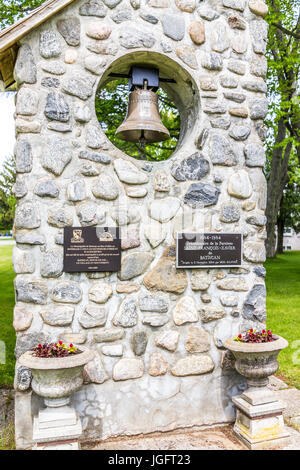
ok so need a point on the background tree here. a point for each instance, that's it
(13, 10)
(7, 199)
(284, 117)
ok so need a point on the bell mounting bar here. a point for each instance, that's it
(138, 76)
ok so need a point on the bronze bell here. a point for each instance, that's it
(142, 122)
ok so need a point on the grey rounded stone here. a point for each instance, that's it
(228, 81)
(220, 123)
(255, 155)
(259, 109)
(239, 132)
(60, 216)
(25, 68)
(55, 67)
(128, 172)
(236, 97)
(90, 214)
(93, 317)
(70, 30)
(201, 194)
(76, 190)
(27, 102)
(221, 152)
(94, 137)
(208, 14)
(236, 22)
(79, 86)
(139, 342)
(95, 157)
(211, 313)
(121, 16)
(259, 66)
(255, 304)
(87, 169)
(23, 261)
(108, 335)
(237, 66)
(50, 82)
(259, 33)
(259, 271)
(212, 61)
(194, 167)
(50, 45)
(135, 4)
(257, 87)
(259, 220)
(148, 17)
(56, 107)
(155, 319)
(229, 213)
(34, 292)
(132, 38)
(61, 315)
(23, 154)
(111, 3)
(235, 4)
(27, 215)
(46, 188)
(173, 26)
(261, 130)
(19, 189)
(23, 378)
(105, 187)
(57, 155)
(93, 8)
(127, 315)
(219, 39)
(153, 303)
(135, 264)
(52, 263)
(30, 238)
(215, 108)
(66, 292)
(82, 113)
(27, 341)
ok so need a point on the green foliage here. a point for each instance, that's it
(13, 10)
(7, 199)
(111, 107)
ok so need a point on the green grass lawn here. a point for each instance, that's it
(283, 310)
(7, 333)
(283, 307)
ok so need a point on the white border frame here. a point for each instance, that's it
(210, 266)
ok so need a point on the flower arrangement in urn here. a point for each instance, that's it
(55, 350)
(259, 421)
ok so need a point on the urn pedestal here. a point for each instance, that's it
(259, 421)
(56, 427)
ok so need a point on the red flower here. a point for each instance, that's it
(269, 332)
(71, 345)
(251, 331)
(263, 332)
(60, 342)
(40, 346)
(240, 336)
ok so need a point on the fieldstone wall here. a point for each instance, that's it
(157, 332)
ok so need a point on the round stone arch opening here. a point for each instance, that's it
(184, 92)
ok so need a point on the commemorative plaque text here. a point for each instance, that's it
(88, 249)
(208, 250)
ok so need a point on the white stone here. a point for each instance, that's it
(239, 185)
(113, 350)
(129, 173)
(168, 339)
(185, 311)
(193, 365)
(128, 368)
(100, 292)
(164, 210)
(155, 233)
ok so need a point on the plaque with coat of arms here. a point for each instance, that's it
(90, 249)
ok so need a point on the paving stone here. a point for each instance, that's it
(255, 155)
(69, 28)
(87, 169)
(158, 364)
(127, 315)
(193, 365)
(186, 5)
(66, 292)
(19, 189)
(93, 316)
(100, 292)
(185, 311)
(168, 339)
(61, 315)
(201, 195)
(50, 45)
(28, 127)
(128, 368)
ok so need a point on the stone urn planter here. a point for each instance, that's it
(55, 379)
(259, 421)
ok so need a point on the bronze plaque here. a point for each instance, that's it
(88, 249)
(208, 250)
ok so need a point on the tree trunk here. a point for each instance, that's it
(280, 229)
